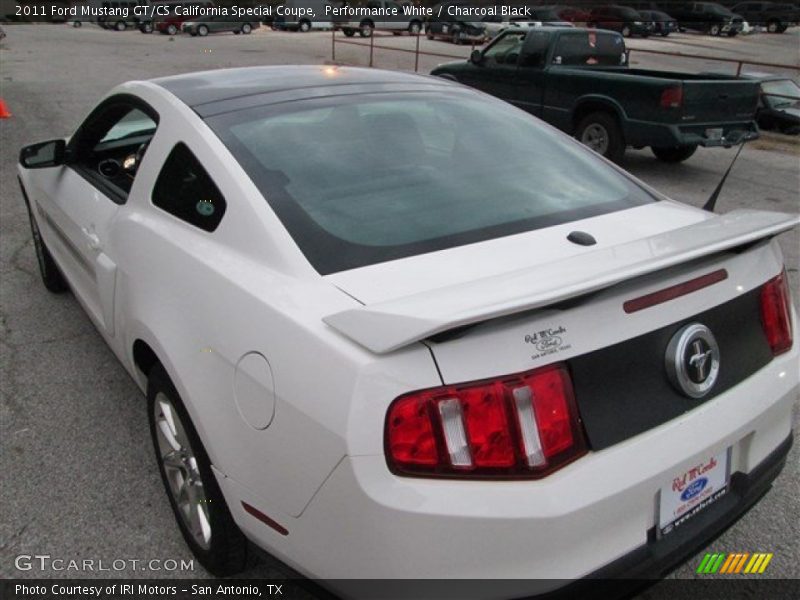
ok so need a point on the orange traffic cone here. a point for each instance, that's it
(4, 112)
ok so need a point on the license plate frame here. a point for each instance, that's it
(692, 490)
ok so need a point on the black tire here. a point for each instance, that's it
(348, 32)
(733, 33)
(52, 278)
(415, 28)
(227, 551)
(202, 30)
(674, 154)
(247, 29)
(171, 29)
(714, 29)
(365, 30)
(783, 28)
(146, 28)
(77, 24)
(305, 26)
(120, 26)
(773, 26)
(455, 37)
(616, 142)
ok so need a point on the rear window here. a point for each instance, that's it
(368, 178)
(590, 48)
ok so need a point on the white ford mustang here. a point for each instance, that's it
(392, 315)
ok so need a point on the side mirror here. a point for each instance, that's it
(476, 57)
(43, 154)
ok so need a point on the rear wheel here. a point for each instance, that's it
(202, 31)
(714, 29)
(120, 26)
(414, 28)
(305, 26)
(195, 497)
(171, 29)
(365, 30)
(673, 154)
(146, 28)
(601, 132)
(247, 28)
(773, 26)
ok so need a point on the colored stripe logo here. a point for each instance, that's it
(734, 563)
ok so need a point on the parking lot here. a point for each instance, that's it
(78, 475)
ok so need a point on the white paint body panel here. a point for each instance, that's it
(202, 301)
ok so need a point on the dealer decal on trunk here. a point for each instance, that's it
(548, 341)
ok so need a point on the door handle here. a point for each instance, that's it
(92, 240)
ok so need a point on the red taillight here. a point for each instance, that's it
(672, 97)
(523, 425)
(776, 314)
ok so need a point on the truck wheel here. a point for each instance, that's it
(365, 30)
(194, 494)
(674, 154)
(601, 132)
(305, 26)
(348, 32)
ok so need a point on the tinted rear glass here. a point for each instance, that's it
(363, 179)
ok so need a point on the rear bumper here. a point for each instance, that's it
(595, 518)
(645, 133)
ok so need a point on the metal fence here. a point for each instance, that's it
(371, 44)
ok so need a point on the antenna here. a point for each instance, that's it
(712, 200)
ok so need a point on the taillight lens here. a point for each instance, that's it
(519, 426)
(776, 314)
(672, 97)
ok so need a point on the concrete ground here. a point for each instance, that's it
(77, 476)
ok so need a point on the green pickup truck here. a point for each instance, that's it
(579, 81)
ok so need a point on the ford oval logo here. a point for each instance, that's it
(694, 488)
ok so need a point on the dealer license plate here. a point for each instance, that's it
(714, 133)
(692, 490)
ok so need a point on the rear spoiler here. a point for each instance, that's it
(390, 325)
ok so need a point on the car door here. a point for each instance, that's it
(76, 203)
(531, 75)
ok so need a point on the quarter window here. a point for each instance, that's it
(185, 190)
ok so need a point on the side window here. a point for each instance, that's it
(505, 51)
(109, 146)
(535, 48)
(185, 190)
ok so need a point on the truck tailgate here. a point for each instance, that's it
(718, 101)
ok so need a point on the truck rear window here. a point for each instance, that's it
(590, 48)
(367, 178)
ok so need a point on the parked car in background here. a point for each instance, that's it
(218, 24)
(118, 23)
(454, 29)
(779, 104)
(776, 18)
(623, 19)
(171, 24)
(578, 81)
(365, 25)
(295, 21)
(571, 14)
(663, 24)
(709, 17)
(549, 16)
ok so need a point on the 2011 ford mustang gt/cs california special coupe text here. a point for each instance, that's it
(391, 315)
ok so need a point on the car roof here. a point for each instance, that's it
(209, 87)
